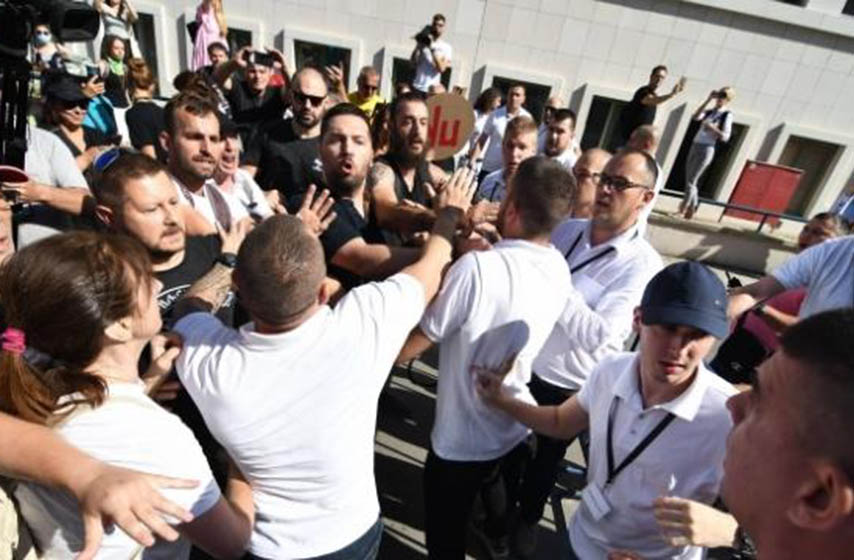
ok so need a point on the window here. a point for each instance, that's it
(816, 159)
(848, 9)
(143, 30)
(402, 70)
(318, 55)
(238, 38)
(536, 95)
(601, 122)
(710, 182)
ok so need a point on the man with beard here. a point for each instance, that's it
(478, 320)
(354, 247)
(520, 143)
(284, 154)
(193, 144)
(559, 138)
(403, 182)
(253, 101)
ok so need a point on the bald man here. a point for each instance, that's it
(367, 95)
(645, 139)
(284, 155)
(586, 171)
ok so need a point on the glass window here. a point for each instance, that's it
(536, 95)
(710, 182)
(817, 160)
(319, 55)
(239, 38)
(848, 9)
(143, 31)
(601, 122)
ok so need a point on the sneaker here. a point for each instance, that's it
(525, 540)
(496, 548)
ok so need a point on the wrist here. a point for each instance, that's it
(77, 476)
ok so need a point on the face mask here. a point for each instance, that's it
(42, 38)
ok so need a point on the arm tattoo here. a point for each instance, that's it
(207, 294)
(380, 172)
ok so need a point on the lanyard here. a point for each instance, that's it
(594, 258)
(650, 437)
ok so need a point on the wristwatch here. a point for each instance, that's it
(759, 309)
(227, 259)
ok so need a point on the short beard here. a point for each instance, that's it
(400, 152)
(345, 186)
(310, 124)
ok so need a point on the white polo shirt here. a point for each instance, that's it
(426, 73)
(132, 431)
(609, 280)
(297, 411)
(567, 158)
(826, 270)
(685, 460)
(494, 128)
(492, 304)
(493, 187)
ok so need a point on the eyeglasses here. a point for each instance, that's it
(583, 174)
(82, 103)
(302, 98)
(619, 184)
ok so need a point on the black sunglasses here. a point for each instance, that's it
(82, 103)
(301, 98)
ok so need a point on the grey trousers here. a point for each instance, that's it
(699, 158)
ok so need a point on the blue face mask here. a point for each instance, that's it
(42, 38)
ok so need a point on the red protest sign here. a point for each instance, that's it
(450, 126)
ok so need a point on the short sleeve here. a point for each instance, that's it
(797, 272)
(586, 396)
(456, 300)
(203, 335)
(338, 234)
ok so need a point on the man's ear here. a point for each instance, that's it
(165, 142)
(119, 331)
(636, 320)
(824, 499)
(106, 216)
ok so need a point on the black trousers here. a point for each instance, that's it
(541, 472)
(450, 489)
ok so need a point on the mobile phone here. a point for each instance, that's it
(259, 58)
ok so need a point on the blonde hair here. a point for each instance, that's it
(219, 14)
(729, 91)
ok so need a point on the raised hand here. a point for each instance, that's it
(233, 238)
(458, 191)
(316, 213)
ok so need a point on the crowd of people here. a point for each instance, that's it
(198, 321)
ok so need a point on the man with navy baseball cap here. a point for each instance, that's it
(657, 419)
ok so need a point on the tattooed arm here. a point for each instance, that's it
(393, 214)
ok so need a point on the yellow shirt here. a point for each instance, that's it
(368, 105)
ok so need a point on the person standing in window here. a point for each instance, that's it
(715, 128)
(47, 53)
(210, 19)
(431, 55)
(113, 70)
(144, 118)
(118, 17)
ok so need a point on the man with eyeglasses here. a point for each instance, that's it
(285, 154)
(586, 170)
(367, 95)
(610, 263)
(253, 101)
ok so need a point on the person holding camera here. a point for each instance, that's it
(715, 128)
(431, 55)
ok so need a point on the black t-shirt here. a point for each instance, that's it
(285, 162)
(200, 255)
(91, 137)
(249, 110)
(348, 225)
(636, 113)
(145, 123)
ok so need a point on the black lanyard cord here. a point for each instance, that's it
(594, 258)
(612, 473)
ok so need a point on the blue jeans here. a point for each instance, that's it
(365, 547)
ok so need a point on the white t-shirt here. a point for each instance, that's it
(492, 304)
(567, 158)
(721, 119)
(245, 197)
(493, 187)
(607, 290)
(297, 411)
(494, 129)
(132, 431)
(426, 73)
(826, 270)
(685, 460)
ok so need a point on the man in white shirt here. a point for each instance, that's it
(560, 138)
(552, 104)
(293, 395)
(800, 414)
(657, 419)
(826, 271)
(194, 146)
(431, 56)
(494, 305)
(610, 263)
(520, 143)
(645, 139)
(586, 171)
(493, 131)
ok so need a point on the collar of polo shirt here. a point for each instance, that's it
(685, 406)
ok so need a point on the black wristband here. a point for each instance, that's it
(227, 259)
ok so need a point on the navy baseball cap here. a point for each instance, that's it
(686, 293)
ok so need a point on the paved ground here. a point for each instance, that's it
(403, 431)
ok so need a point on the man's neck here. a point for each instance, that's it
(358, 198)
(599, 234)
(266, 328)
(303, 132)
(164, 263)
(192, 183)
(654, 393)
(513, 112)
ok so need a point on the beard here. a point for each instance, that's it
(399, 147)
(343, 185)
(306, 120)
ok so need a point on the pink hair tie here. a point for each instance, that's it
(14, 341)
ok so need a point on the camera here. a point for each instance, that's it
(259, 58)
(424, 37)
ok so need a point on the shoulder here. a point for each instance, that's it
(381, 173)
(568, 230)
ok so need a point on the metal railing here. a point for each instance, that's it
(742, 208)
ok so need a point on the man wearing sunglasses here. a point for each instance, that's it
(367, 95)
(610, 263)
(284, 155)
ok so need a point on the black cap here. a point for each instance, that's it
(686, 293)
(227, 127)
(64, 87)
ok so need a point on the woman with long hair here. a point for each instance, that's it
(79, 309)
(145, 118)
(113, 68)
(210, 19)
(118, 17)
